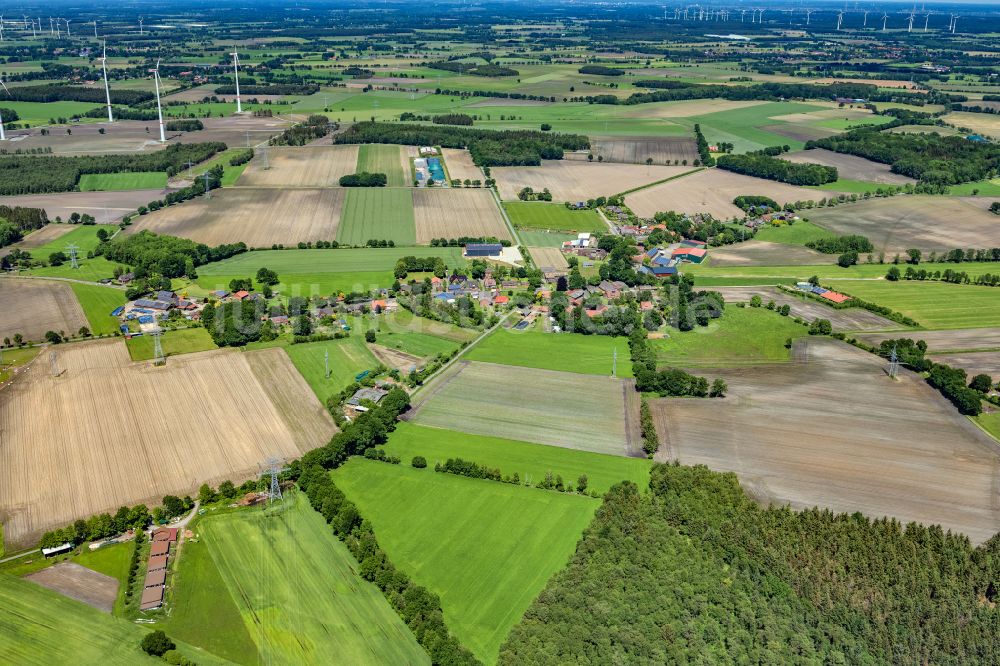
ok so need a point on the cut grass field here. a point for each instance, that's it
(98, 302)
(139, 180)
(486, 571)
(530, 461)
(83, 236)
(990, 423)
(932, 304)
(377, 213)
(379, 158)
(799, 233)
(182, 341)
(568, 352)
(11, 361)
(348, 357)
(533, 238)
(555, 217)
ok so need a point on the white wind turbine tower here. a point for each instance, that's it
(236, 74)
(909, 27)
(865, 25)
(95, 28)
(885, 18)
(104, 68)
(3, 134)
(67, 28)
(140, 26)
(159, 109)
(840, 19)
(954, 22)
(809, 13)
(1, 27)
(927, 19)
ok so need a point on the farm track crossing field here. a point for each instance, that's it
(105, 207)
(555, 217)
(928, 223)
(260, 217)
(377, 213)
(567, 352)
(932, 304)
(460, 165)
(847, 319)
(325, 608)
(636, 150)
(81, 443)
(556, 408)
(849, 166)
(570, 180)
(454, 212)
(834, 431)
(300, 166)
(487, 572)
(379, 158)
(969, 339)
(144, 180)
(32, 307)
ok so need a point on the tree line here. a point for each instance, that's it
(270, 89)
(315, 127)
(16, 221)
(60, 92)
(765, 166)
(169, 256)
(363, 179)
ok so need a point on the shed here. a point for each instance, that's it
(373, 394)
(483, 249)
(159, 548)
(152, 598)
(157, 563)
(165, 534)
(156, 578)
(56, 550)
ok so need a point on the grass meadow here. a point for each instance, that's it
(182, 341)
(377, 213)
(139, 180)
(379, 158)
(348, 357)
(10, 359)
(111, 561)
(568, 352)
(555, 217)
(742, 336)
(486, 571)
(98, 302)
(799, 233)
(933, 304)
(533, 238)
(828, 273)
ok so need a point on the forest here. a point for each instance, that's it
(150, 253)
(487, 147)
(765, 166)
(695, 572)
(16, 221)
(60, 92)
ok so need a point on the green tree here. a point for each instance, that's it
(419, 462)
(370, 335)
(581, 484)
(893, 274)
(719, 388)
(156, 643)
(982, 383)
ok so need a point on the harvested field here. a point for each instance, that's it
(106, 207)
(765, 253)
(40, 237)
(849, 166)
(973, 363)
(259, 217)
(460, 164)
(836, 432)
(579, 181)
(799, 132)
(689, 108)
(636, 150)
(234, 131)
(881, 83)
(548, 258)
(849, 319)
(712, 191)
(32, 307)
(451, 213)
(80, 583)
(190, 95)
(542, 406)
(394, 358)
(987, 124)
(301, 166)
(108, 432)
(964, 339)
(928, 223)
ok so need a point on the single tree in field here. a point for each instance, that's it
(893, 274)
(581, 484)
(157, 643)
(719, 388)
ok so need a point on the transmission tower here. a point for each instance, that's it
(208, 192)
(266, 163)
(274, 467)
(74, 261)
(893, 363)
(326, 360)
(158, 357)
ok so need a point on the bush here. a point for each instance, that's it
(156, 643)
(419, 462)
(364, 179)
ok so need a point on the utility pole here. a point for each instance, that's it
(326, 360)
(158, 357)
(614, 362)
(893, 363)
(74, 262)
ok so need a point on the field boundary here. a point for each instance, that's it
(660, 182)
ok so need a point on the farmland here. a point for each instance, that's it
(348, 357)
(554, 217)
(742, 336)
(838, 433)
(300, 166)
(102, 182)
(933, 304)
(105, 207)
(183, 341)
(97, 420)
(486, 572)
(377, 158)
(98, 303)
(986, 124)
(556, 408)
(260, 217)
(548, 258)
(971, 339)
(567, 352)
(636, 150)
(972, 362)
(808, 309)
(460, 165)
(377, 214)
(32, 307)
(453, 213)
(569, 180)
(849, 166)
(765, 253)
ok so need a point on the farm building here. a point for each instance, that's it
(165, 534)
(159, 548)
(152, 598)
(56, 550)
(373, 394)
(157, 563)
(693, 254)
(156, 578)
(483, 250)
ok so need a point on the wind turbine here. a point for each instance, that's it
(865, 25)
(809, 13)
(236, 74)
(840, 18)
(67, 28)
(3, 135)
(954, 22)
(95, 29)
(909, 27)
(107, 90)
(885, 18)
(140, 26)
(159, 109)
(927, 19)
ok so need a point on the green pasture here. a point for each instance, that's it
(379, 158)
(413, 342)
(744, 127)
(799, 233)
(703, 273)
(990, 422)
(850, 186)
(486, 548)
(554, 217)
(83, 236)
(348, 357)
(530, 461)
(533, 238)
(137, 180)
(181, 341)
(40, 113)
(111, 561)
(983, 188)
(98, 302)
(377, 213)
(568, 352)
(935, 305)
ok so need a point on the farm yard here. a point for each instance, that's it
(260, 217)
(573, 181)
(300, 166)
(636, 150)
(460, 165)
(377, 214)
(32, 307)
(486, 572)
(849, 166)
(836, 432)
(453, 213)
(95, 427)
(556, 408)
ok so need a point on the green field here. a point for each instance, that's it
(826, 272)
(983, 188)
(932, 304)
(377, 213)
(532, 238)
(83, 236)
(539, 215)
(486, 548)
(98, 302)
(379, 158)
(569, 352)
(297, 588)
(412, 342)
(182, 341)
(10, 359)
(742, 336)
(799, 233)
(38, 626)
(743, 127)
(990, 423)
(40, 113)
(850, 186)
(106, 182)
(111, 561)
(530, 461)
(348, 357)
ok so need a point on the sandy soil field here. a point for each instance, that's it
(78, 582)
(32, 307)
(301, 166)
(578, 181)
(454, 212)
(849, 319)
(836, 432)
(966, 339)
(765, 253)
(688, 108)
(928, 223)
(460, 165)
(987, 124)
(712, 191)
(636, 150)
(259, 217)
(973, 363)
(106, 207)
(107, 432)
(849, 166)
(548, 257)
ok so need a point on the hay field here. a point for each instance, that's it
(849, 166)
(557, 408)
(834, 431)
(712, 191)
(460, 164)
(453, 212)
(848, 319)
(636, 150)
(579, 181)
(301, 166)
(548, 257)
(106, 207)
(32, 307)
(986, 124)
(928, 223)
(108, 432)
(260, 217)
